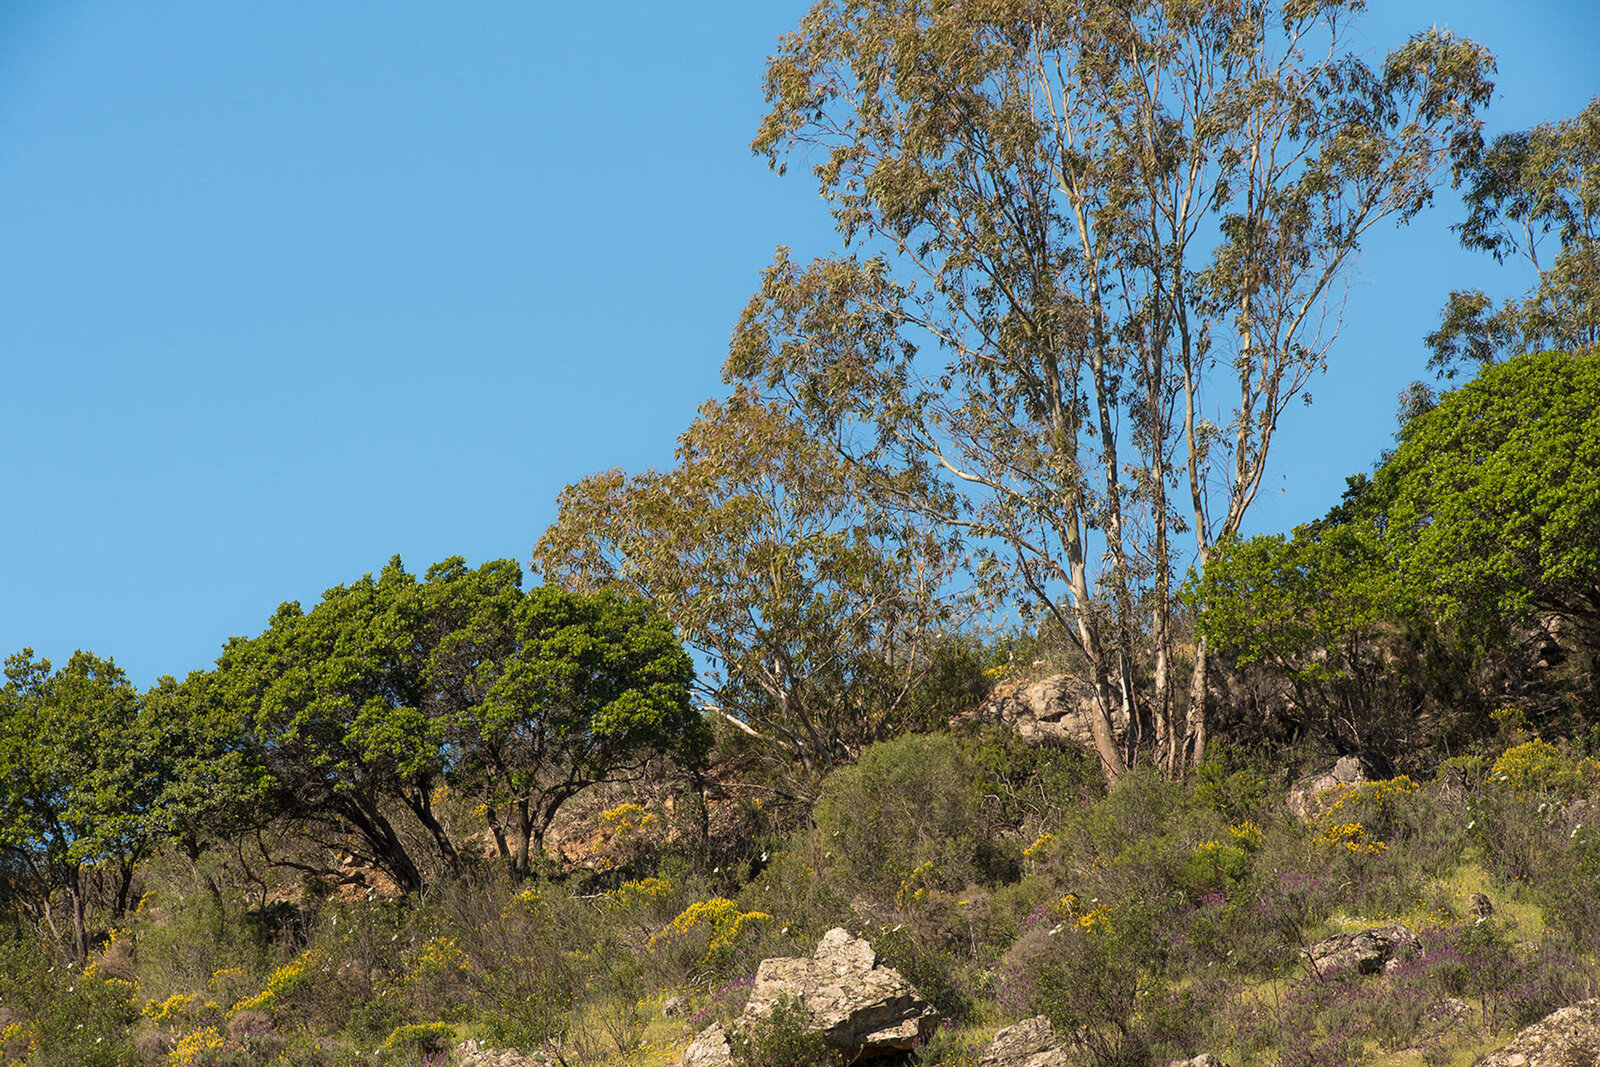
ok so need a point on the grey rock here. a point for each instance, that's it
(672, 1007)
(708, 1049)
(857, 1005)
(1566, 1038)
(1205, 1059)
(1304, 798)
(1057, 709)
(1367, 951)
(1030, 1043)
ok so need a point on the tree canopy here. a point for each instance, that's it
(1095, 245)
(816, 605)
(1529, 190)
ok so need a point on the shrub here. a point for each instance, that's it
(908, 803)
(782, 1039)
(408, 1043)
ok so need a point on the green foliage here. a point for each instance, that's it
(389, 689)
(405, 1043)
(815, 604)
(1492, 497)
(80, 773)
(908, 811)
(1528, 186)
(782, 1039)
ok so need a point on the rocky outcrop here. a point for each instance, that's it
(1303, 797)
(1054, 710)
(1567, 1038)
(475, 1054)
(1030, 1043)
(856, 1004)
(1367, 951)
(859, 1007)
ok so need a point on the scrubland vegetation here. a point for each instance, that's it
(734, 709)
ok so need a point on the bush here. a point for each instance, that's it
(909, 803)
(783, 1039)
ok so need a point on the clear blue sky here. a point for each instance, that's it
(288, 288)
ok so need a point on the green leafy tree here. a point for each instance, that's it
(359, 711)
(1314, 609)
(1492, 498)
(1530, 190)
(1096, 244)
(816, 607)
(78, 780)
(596, 687)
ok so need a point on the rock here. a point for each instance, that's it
(472, 1053)
(1567, 1038)
(1205, 1059)
(1480, 905)
(1030, 1043)
(1053, 710)
(1303, 799)
(672, 1007)
(858, 1006)
(1368, 951)
(708, 1049)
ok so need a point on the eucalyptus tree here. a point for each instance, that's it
(817, 610)
(1533, 195)
(1097, 251)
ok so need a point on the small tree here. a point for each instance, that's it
(78, 780)
(595, 687)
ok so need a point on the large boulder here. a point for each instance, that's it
(1054, 710)
(1366, 951)
(859, 1006)
(1030, 1043)
(1567, 1038)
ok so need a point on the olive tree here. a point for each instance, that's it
(1097, 247)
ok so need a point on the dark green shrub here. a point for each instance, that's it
(907, 817)
(783, 1039)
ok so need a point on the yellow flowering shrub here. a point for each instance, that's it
(1039, 846)
(718, 920)
(16, 1042)
(440, 955)
(196, 1048)
(287, 980)
(914, 890)
(645, 892)
(1245, 835)
(1539, 767)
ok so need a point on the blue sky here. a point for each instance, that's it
(288, 288)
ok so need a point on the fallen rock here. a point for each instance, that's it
(708, 1049)
(1030, 1043)
(858, 1006)
(1368, 951)
(1205, 1059)
(1052, 710)
(1566, 1038)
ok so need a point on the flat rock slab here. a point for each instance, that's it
(1030, 1043)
